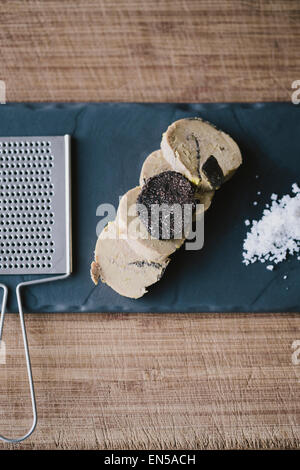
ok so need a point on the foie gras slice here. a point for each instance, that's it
(117, 265)
(201, 152)
(155, 163)
(134, 231)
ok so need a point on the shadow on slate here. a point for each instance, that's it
(109, 145)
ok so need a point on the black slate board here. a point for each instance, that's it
(110, 143)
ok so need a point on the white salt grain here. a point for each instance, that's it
(255, 203)
(277, 233)
(270, 267)
(247, 222)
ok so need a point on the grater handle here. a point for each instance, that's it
(25, 342)
(28, 362)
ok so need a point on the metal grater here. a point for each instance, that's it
(35, 220)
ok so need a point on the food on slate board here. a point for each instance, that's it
(195, 159)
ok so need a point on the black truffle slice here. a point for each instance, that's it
(162, 204)
(213, 172)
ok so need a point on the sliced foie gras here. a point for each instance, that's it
(155, 163)
(201, 152)
(117, 265)
(136, 234)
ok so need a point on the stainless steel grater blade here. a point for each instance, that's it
(35, 220)
(34, 205)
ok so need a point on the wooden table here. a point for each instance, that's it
(153, 381)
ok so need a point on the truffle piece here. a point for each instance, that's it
(165, 204)
(213, 172)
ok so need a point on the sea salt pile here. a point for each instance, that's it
(277, 233)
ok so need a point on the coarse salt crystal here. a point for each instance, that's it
(277, 233)
(270, 267)
(247, 222)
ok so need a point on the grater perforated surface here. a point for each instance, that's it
(34, 205)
